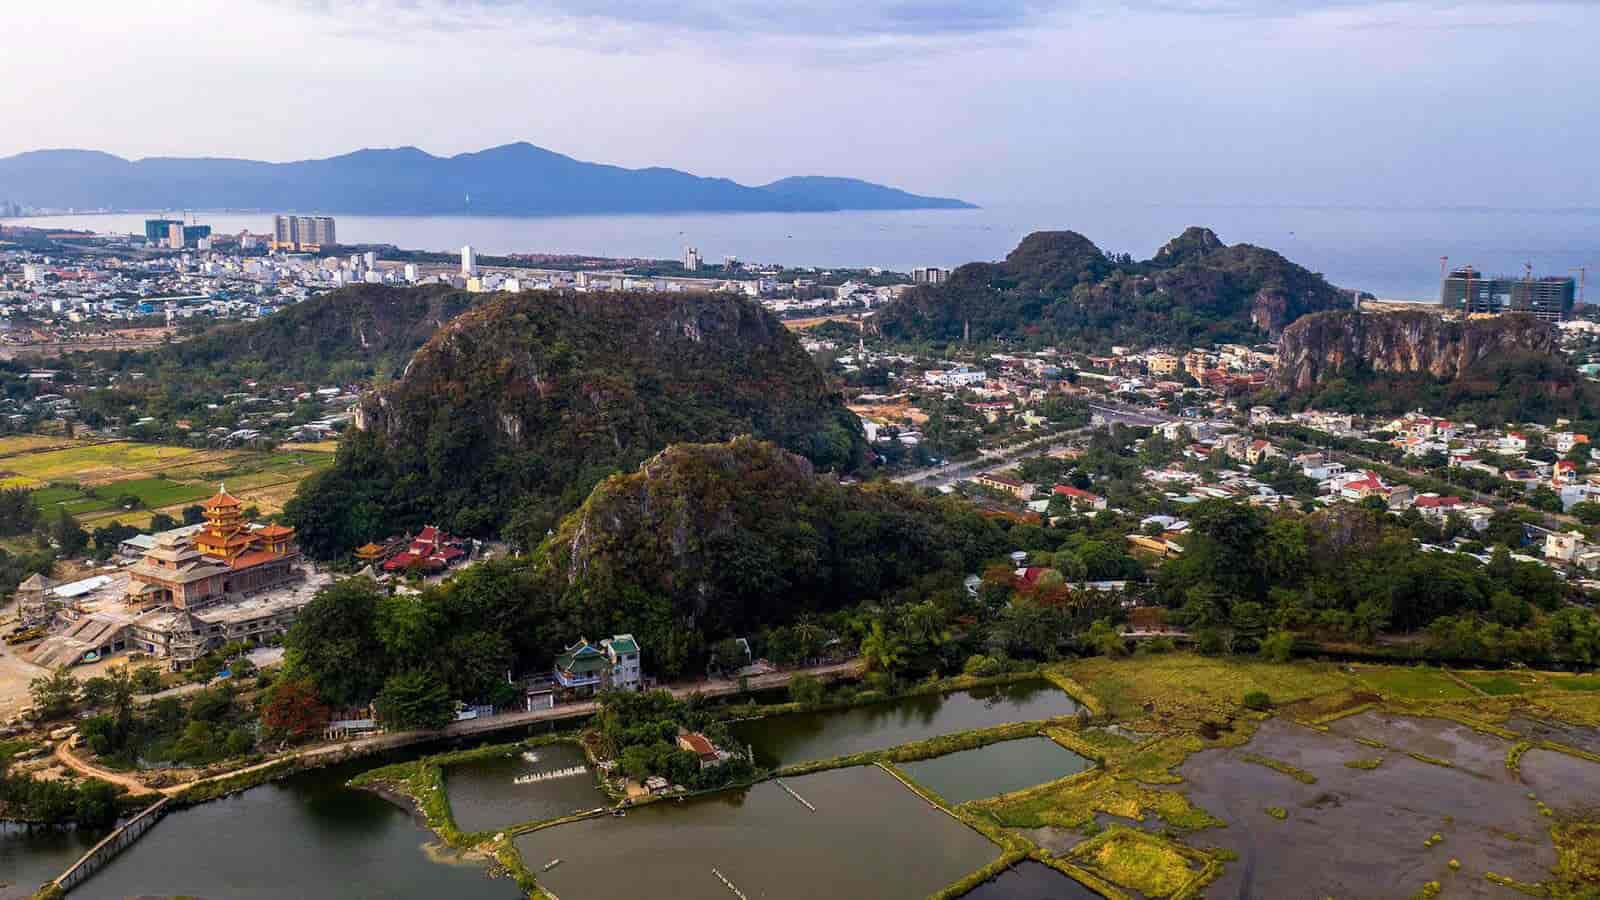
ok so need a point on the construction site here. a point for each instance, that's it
(173, 597)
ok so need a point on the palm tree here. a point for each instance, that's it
(809, 636)
(882, 650)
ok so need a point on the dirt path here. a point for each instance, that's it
(66, 757)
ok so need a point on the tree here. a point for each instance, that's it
(414, 699)
(335, 643)
(68, 534)
(1545, 499)
(162, 522)
(728, 655)
(194, 515)
(54, 694)
(1249, 621)
(1588, 512)
(292, 710)
(1278, 647)
(883, 650)
(806, 690)
(1105, 639)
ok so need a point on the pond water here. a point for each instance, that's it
(996, 769)
(869, 837)
(30, 856)
(1363, 832)
(307, 836)
(799, 737)
(484, 793)
(1029, 880)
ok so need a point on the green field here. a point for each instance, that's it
(1577, 683)
(90, 481)
(1418, 683)
(1496, 685)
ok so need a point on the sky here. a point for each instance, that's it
(1171, 102)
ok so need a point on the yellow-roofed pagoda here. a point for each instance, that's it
(228, 557)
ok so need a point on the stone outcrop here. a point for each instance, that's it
(1321, 346)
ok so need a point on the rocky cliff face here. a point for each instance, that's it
(1318, 347)
(608, 373)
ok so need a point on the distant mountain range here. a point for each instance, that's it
(515, 179)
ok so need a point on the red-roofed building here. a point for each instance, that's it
(1566, 472)
(1079, 498)
(702, 748)
(432, 550)
(1361, 488)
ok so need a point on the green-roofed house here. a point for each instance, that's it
(586, 668)
(623, 652)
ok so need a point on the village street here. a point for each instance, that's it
(335, 750)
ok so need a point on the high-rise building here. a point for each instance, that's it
(411, 272)
(930, 275)
(175, 235)
(1469, 291)
(691, 259)
(303, 232)
(158, 230)
(469, 262)
(193, 234)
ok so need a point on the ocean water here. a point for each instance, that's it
(1393, 253)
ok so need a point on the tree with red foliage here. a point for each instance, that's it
(294, 711)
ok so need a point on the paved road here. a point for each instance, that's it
(485, 725)
(993, 459)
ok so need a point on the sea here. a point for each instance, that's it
(1394, 254)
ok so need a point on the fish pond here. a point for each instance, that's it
(1379, 806)
(523, 786)
(864, 835)
(307, 836)
(1029, 880)
(996, 769)
(32, 855)
(825, 734)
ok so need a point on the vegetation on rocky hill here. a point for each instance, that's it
(354, 334)
(721, 539)
(703, 543)
(1489, 371)
(508, 416)
(1058, 287)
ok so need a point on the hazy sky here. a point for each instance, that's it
(1006, 101)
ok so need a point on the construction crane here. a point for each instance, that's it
(1583, 274)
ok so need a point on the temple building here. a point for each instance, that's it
(227, 559)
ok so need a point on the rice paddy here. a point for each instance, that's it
(129, 482)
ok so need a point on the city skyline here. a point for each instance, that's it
(1343, 101)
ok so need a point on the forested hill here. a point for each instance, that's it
(353, 334)
(507, 416)
(513, 179)
(1502, 369)
(1057, 286)
(720, 539)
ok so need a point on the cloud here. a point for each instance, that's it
(1292, 8)
(798, 18)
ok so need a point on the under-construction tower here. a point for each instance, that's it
(35, 605)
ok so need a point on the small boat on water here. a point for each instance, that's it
(530, 756)
(551, 864)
